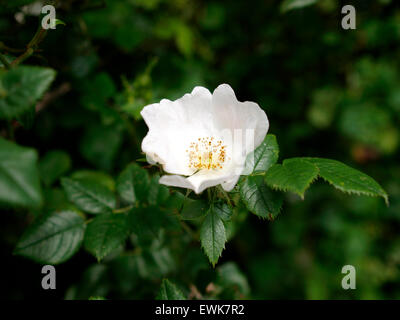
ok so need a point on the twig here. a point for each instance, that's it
(22, 57)
(4, 61)
(8, 49)
(53, 95)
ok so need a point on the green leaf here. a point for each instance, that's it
(19, 176)
(295, 4)
(53, 165)
(53, 239)
(223, 211)
(133, 184)
(347, 179)
(213, 236)
(59, 21)
(230, 277)
(89, 197)
(146, 223)
(105, 233)
(259, 199)
(96, 177)
(158, 193)
(174, 202)
(21, 87)
(294, 175)
(263, 157)
(169, 291)
(193, 209)
(156, 262)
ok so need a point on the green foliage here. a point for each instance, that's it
(21, 87)
(9, 6)
(138, 92)
(336, 97)
(146, 223)
(259, 199)
(53, 165)
(105, 233)
(347, 179)
(193, 209)
(157, 193)
(133, 184)
(324, 104)
(264, 156)
(370, 125)
(297, 174)
(213, 236)
(88, 196)
(53, 239)
(292, 175)
(97, 298)
(223, 210)
(19, 176)
(95, 177)
(169, 291)
(231, 278)
(295, 4)
(100, 145)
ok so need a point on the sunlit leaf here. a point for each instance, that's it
(294, 175)
(263, 157)
(347, 179)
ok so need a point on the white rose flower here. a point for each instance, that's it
(202, 139)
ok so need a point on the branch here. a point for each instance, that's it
(4, 61)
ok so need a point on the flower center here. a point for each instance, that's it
(206, 153)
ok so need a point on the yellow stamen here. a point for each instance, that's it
(206, 154)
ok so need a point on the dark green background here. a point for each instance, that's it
(328, 92)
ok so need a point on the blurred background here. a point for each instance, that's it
(328, 92)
